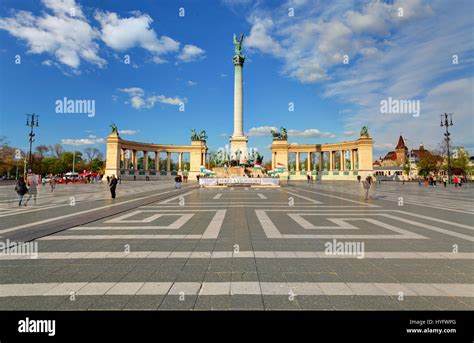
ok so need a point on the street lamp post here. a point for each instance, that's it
(447, 124)
(73, 159)
(31, 122)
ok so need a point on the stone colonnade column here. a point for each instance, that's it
(145, 160)
(168, 162)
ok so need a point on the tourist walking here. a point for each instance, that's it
(367, 185)
(32, 183)
(21, 190)
(113, 186)
(177, 182)
(52, 182)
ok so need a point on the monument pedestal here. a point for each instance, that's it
(239, 143)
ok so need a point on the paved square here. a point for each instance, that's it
(300, 246)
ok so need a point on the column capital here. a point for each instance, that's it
(238, 60)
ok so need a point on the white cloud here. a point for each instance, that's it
(176, 101)
(126, 33)
(265, 131)
(260, 39)
(90, 140)
(317, 39)
(128, 132)
(191, 53)
(309, 133)
(261, 131)
(374, 18)
(69, 39)
(191, 83)
(348, 133)
(407, 58)
(138, 100)
(63, 31)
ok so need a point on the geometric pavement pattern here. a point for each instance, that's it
(258, 248)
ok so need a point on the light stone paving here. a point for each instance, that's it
(250, 246)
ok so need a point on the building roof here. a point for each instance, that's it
(391, 155)
(401, 143)
(419, 153)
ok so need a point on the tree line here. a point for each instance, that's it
(48, 159)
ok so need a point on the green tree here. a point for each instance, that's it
(462, 161)
(428, 164)
(407, 167)
(96, 165)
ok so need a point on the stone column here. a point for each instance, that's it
(134, 160)
(352, 159)
(238, 96)
(127, 159)
(168, 162)
(309, 161)
(157, 161)
(238, 141)
(297, 161)
(321, 158)
(180, 161)
(145, 160)
(342, 159)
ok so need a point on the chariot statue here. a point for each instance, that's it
(202, 136)
(364, 132)
(280, 135)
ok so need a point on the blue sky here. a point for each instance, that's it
(295, 54)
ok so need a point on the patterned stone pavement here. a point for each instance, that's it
(298, 247)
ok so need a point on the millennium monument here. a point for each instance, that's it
(238, 141)
(331, 161)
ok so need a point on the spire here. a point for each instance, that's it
(401, 143)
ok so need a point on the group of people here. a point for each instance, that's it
(30, 187)
(430, 181)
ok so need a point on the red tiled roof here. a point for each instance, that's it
(420, 153)
(391, 155)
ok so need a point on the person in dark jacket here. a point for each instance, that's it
(113, 186)
(21, 190)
